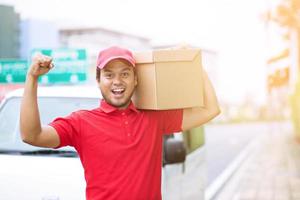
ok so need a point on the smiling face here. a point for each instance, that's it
(117, 83)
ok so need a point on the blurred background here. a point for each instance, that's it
(249, 45)
(251, 51)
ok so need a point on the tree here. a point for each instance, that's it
(287, 14)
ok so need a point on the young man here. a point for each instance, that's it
(120, 147)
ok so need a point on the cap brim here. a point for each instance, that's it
(102, 65)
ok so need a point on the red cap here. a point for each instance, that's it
(114, 52)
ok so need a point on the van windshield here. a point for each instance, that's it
(49, 107)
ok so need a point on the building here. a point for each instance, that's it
(95, 39)
(9, 32)
(37, 34)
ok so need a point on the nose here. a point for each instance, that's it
(117, 80)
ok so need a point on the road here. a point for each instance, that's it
(225, 142)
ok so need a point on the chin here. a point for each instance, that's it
(119, 104)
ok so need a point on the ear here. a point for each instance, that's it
(135, 80)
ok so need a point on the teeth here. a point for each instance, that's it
(118, 90)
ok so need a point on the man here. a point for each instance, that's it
(120, 147)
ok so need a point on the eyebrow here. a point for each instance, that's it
(126, 69)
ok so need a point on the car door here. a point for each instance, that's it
(186, 181)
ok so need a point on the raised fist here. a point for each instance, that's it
(41, 64)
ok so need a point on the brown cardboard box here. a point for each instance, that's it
(169, 79)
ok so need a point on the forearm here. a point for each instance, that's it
(30, 124)
(210, 108)
(196, 116)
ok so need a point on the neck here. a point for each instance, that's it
(123, 107)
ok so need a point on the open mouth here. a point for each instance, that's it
(118, 91)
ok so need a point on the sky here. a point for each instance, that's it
(232, 28)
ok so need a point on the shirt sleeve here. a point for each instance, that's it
(171, 120)
(68, 129)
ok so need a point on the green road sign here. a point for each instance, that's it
(70, 65)
(13, 71)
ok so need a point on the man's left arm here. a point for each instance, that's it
(194, 117)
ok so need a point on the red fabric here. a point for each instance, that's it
(120, 150)
(114, 52)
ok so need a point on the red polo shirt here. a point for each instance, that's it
(120, 150)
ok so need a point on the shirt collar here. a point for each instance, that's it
(107, 108)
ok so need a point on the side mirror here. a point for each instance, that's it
(174, 151)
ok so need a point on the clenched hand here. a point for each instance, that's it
(41, 64)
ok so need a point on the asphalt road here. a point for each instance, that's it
(225, 142)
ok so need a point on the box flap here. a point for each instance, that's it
(143, 57)
(175, 55)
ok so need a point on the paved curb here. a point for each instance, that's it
(212, 191)
(272, 171)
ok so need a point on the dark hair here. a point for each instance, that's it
(98, 72)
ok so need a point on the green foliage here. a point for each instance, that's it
(295, 107)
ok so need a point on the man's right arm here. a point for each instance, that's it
(32, 132)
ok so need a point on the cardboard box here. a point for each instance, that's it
(169, 79)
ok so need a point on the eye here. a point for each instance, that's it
(108, 75)
(125, 74)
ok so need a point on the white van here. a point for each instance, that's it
(33, 173)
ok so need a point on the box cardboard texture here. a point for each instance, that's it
(168, 79)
